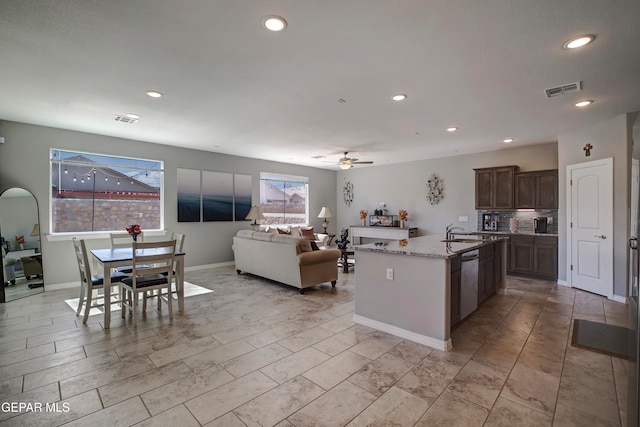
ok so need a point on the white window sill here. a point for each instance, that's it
(61, 237)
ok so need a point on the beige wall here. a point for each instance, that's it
(611, 138)
(403, 186)
(24, 162)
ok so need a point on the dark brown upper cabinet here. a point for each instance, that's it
(495, 187)
(536, 190)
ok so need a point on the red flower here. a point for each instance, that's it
(134, 230)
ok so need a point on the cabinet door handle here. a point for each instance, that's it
(602, 236)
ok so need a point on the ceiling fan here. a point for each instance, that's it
(348, 162)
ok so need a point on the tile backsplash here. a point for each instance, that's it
(525, 220)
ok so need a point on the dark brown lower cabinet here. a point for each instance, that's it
(545, 256)
(521, 254)
(535, 256)
(455, 291)
(486, 273)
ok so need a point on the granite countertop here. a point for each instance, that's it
(430, 246)
(508, 233)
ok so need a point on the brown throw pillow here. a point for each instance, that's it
(308, 233)
(284, 231)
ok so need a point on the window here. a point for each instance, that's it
(95, 192)
(283, 199)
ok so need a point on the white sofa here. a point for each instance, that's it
(284, 258)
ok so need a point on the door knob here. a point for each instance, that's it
(633, 243)
(602, 236)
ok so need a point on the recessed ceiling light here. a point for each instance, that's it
(399, 97)
(274, 23)
(452, 129)
(154, 94)
(584, 103)
(578, 42)
(508, 140)
(133, 116)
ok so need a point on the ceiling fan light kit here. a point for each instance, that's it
(348, 162)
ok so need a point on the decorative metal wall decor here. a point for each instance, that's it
(435, 189)
(347, 192)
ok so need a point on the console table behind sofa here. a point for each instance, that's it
(385, 233)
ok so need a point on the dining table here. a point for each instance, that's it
(118, 257)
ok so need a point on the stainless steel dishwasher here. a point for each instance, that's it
(469, 283)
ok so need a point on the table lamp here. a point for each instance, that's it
(325, 213)
(255, 214)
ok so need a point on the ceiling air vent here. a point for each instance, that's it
(561, 90)
(125, 119)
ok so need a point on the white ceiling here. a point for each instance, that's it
(232, 87)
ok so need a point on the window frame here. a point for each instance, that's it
(65, 235)
(268, 176)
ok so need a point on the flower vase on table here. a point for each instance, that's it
(363, 217)
(134, 230)
(403, 215)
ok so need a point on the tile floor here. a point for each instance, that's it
(257, 353)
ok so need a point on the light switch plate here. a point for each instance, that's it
(463, 219)
(389, 273)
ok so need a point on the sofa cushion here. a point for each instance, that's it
(265, 237)
(308, 233)
(247, 234)
(284, 231)
(302, 244)
(314, 245)
(295, 230)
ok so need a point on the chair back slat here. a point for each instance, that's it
(123, 239)
(157, 256)
(179, 238)
(83, 261)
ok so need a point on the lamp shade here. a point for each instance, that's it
(254, 213)
(325, 213)
(35, 231)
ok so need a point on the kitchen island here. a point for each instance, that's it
(410, 288)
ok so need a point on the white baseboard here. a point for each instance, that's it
(403, 333)
(207, 266)
(563, 283)
(71, 285)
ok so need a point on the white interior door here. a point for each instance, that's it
(591, 226)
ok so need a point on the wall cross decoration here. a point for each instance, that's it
(587, 150)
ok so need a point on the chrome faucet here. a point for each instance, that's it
(449, 231)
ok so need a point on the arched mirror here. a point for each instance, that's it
(20, 242)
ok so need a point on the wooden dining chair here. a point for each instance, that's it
(179, 238)
(90, 283)
(124, 240)
(160, 257)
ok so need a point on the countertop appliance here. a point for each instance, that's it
(540, 224)
(469, 283)
(490, 222)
